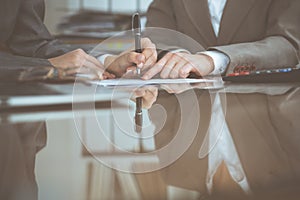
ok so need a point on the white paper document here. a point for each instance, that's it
(139, 82)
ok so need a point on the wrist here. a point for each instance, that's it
(52, 62)
(108, 61)
(208, 62)
(220, 61)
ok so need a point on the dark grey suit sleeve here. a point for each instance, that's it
(9, 60)
(30, 36)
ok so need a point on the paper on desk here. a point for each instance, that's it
(139, 82)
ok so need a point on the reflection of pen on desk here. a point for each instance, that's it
(138, 115)
(136, 26)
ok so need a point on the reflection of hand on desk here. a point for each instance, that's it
(148, 94)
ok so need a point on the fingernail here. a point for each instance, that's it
(145, 77)
(140, 65)
(100, 76)
(129, 70)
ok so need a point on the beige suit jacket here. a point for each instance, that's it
(263, 34)
(265, 132)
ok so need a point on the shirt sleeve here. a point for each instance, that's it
(103, 57)
(220, 60)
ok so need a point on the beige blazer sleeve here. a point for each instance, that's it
(263, 34)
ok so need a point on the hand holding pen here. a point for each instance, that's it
(143, 46)
(149, 52)
(130, 59)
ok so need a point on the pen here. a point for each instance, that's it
(136, 26)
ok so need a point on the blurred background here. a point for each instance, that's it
(57, 11)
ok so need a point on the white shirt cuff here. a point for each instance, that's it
(220, 61)
(103, 57)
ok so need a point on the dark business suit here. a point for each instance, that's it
(23, 31)
(24, 41)
(19, 144)
(264, 34)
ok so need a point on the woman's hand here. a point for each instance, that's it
(148, 94)
(78, 61)
(180, 65)
(119, 64)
